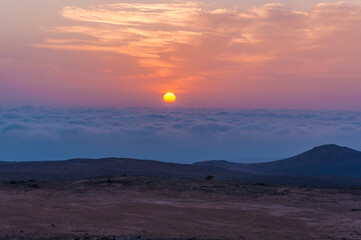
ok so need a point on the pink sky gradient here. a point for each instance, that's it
(210, 54)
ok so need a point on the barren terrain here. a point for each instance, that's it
(160, 208)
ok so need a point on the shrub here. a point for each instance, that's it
(209, 178)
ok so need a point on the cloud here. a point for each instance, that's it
(13, 128)
(10, 116)
(183, 135)
(176, 14)
(269, 51)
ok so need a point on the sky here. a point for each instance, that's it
(254, 80)
(213, 54)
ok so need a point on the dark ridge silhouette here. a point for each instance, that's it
(327, 165)
(326, 160)
(89, 168)
(223, 164)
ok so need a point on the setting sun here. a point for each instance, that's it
(169, 97)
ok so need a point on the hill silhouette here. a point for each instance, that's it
(326, 160)
(327, 165)
(89, 168)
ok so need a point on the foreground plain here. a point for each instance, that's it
(161, 208)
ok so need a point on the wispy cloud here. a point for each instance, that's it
(185, 44)
(177, 14)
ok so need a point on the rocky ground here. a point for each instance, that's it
(160, 208)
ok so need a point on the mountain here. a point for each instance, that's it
(90, 168)
(328, 165)
(326, 160)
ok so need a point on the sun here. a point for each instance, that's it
(169, 97)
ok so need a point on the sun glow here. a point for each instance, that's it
(169, 97)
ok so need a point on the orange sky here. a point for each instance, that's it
(210, 53)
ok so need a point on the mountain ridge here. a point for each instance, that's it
(325, 160)
(79, 168)
(327, 165)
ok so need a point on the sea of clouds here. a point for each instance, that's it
(179, 135)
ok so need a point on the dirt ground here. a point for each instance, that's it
(160, 208)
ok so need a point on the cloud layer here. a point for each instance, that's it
(182, 135)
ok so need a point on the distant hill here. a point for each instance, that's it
(326, 160)
(89, 168)
(224, 164)
(328, 165)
